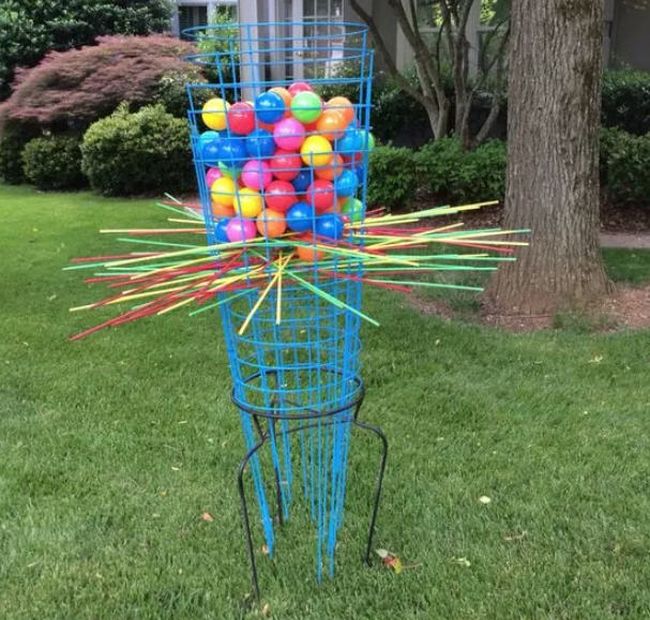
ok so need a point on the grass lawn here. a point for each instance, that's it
(111, 449)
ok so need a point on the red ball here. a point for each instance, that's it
(241, 118)
(280, 196)
(321, 194)
(299, 87)
(285, 165)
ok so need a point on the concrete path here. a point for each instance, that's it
(632, 241)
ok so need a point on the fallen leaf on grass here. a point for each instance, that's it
(515, 536)
(390, 560)
(484, 499)
(596, 359)
(266, 610)
(265, 550)
(463, 562)
(206, 516)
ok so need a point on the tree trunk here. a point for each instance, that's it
(552, 178)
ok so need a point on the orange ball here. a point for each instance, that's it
(342, 105)
(308, 253)
(341, 201)
(220, 210)
(271, 223)
(284, 93)
(331, 124)
(332, 170)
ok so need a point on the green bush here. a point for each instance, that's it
(452, 174)
(392, 177)
(13, 137)
(144, 152)
(626, 101)
(625, 161)
(53, 162)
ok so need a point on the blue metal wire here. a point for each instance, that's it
(309, 363)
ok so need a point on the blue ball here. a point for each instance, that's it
(232, 152)
(260, 143)
(349, 142)
(210, 152)
(346, 183)
(300, 217)
(303, 180)
(220, 230)
(208, 136)
(330, 225)
(360, 171)
(269, 107)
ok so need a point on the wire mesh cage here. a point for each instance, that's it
(281, 165)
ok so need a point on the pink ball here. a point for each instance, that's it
(256, 174)
(212, 175)
(241, 229)
(289, 134)
(298, 87)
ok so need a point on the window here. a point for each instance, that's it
(192, 16)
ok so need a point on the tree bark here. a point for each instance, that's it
(552, 177)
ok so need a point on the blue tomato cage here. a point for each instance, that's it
(295, 367)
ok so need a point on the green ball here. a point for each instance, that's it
(229, 171)
(306, 106)
(353, 208)
(367, 140)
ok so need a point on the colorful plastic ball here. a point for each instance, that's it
(271, 223)
(223, 191)
(248, 202)
(332, 170)
(232, 151)
(241, 118)
(269, 107)
(284, 93)
(353, 208)
(232, 172)
(221, 210)
(300, 217)
(280, 196)
(316, 151)
(208, 136)
(285, 165)
(260, 143)
(212, 175)
(346, 183)
(350, 142)
(241, 229)
(214, 112)
(306, 106)
(331, 125)
(367, 140)
(330, 225)
(360, 171)
(256, 174)
(342, 105)
(221, 230)
(299, 87)
(308, 253)
(289, 134)
(321, 195)
(303, 180)
(210, 151)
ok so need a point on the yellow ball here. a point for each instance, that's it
(248, 202)
(214, 113)
(316, 151)
(223, 191)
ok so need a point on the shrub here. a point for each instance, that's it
(456, 175)
(28, 29)
(53, 162)
(74, 88)
(625, 161)
(626, 101)
(392, 177)
(135, 153)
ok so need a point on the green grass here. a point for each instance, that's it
(111, 448)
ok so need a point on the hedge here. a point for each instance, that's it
(53, 162)
(138, 153)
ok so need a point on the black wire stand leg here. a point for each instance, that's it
(378, 485)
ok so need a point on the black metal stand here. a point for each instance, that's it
(264, 436)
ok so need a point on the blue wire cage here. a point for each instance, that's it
(299, 373)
